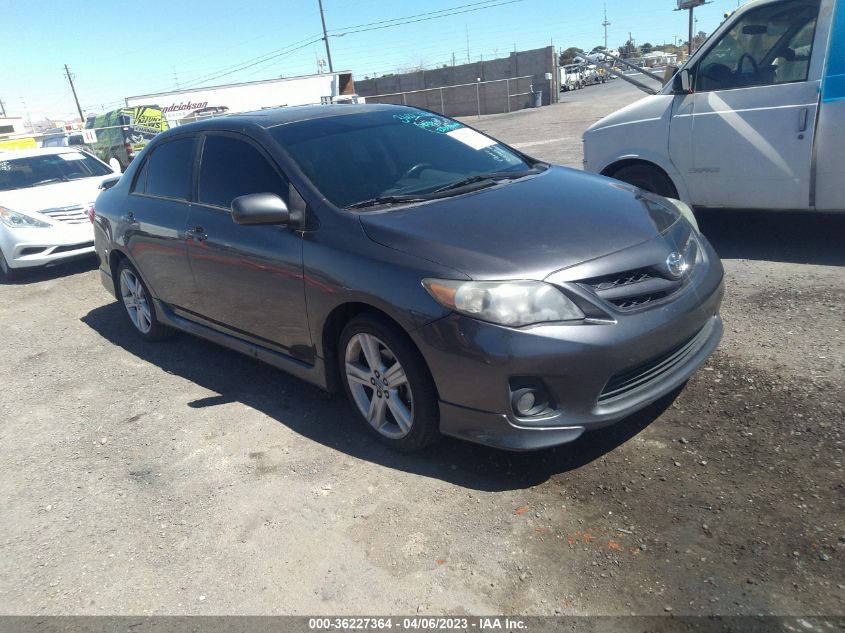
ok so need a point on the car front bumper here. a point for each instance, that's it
(31, 247)
(595, 374)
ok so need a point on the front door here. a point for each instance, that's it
(754, 110)
(250, 278)
(155, 221)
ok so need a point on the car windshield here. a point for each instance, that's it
(34, 171)
(387, 155)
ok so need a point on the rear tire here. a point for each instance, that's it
(139, 304)
(388, 384)
(648, 178)
(7, 273)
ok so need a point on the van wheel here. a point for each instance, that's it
(7, 273)
(646, 177)
(388, 384)
(115, 165)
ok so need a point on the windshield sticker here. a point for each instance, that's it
(71, 156)
(472, 138)
(498, 153)
(429, 122)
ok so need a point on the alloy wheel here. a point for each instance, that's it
(379, 386)
(135, 301)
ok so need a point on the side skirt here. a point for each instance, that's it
(315, 374)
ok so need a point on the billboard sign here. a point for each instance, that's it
(689, 4)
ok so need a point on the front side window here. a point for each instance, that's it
(768, 46)
(361, 156)
(230, 168)
(169, 169)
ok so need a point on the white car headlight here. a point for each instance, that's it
(20, 221)
(513, 303)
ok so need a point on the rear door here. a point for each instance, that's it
(250, 277)
(754, 110)
(154, 223)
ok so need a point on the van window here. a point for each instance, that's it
(169, 169)
(768, 46)
(231, 168)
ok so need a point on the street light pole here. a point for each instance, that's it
(325, 36)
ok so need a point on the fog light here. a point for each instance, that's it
(525, 403)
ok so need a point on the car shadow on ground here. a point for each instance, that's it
(799, 238)
(24, 276)
(327, 419)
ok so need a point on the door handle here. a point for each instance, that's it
(803, 115)
(197, 234)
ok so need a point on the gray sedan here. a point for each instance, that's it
(447, 283)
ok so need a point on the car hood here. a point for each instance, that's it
(61, 194)
(523, 229)
(650, 108)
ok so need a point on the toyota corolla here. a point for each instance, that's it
(447, 283)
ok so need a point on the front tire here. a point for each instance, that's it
(388, 384)
(7, 273)
(139, 306)
(648, 178)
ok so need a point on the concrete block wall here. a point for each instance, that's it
(458, 100)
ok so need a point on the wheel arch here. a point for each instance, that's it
(628, 161)
(333, 327)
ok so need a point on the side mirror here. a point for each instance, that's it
(260, 208)
(681, 83)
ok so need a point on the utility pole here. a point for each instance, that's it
(689, 43)
(605, 24)
(467, 28)
(325, 36)
(75, 98)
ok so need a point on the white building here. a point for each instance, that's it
(183, 106)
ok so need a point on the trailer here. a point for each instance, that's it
(185, 106)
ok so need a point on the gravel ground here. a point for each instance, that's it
(182, 478)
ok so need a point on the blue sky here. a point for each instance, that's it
(119, 49)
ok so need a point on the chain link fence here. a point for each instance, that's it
(481, 97)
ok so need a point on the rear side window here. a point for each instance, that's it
(140, 179)
(232, 167)
(169, 169)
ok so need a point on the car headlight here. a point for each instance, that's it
(686, 212)
(20, 221)
(512, 303)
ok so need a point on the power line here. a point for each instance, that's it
(419, 15)
(424, 19)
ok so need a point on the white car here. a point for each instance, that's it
(45, 195)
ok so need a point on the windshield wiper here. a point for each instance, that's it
(378, 200)
(492, 177)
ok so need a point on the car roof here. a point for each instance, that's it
(273, 117)
(39, 151)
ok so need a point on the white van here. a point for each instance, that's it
(754, 120)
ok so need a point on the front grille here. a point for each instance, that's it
(70, 215)
(625, 383)
(72, 247)
(639, 301)
(638, 288)
(608, 282)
